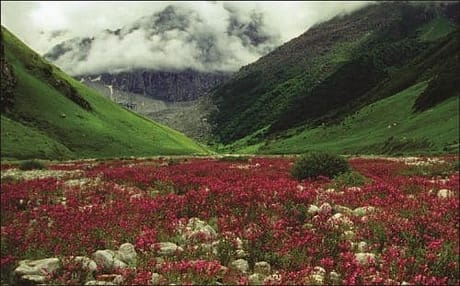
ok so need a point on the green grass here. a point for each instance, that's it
(367, 130)
(44, 123)
(437, 28)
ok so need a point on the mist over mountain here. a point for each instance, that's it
(175, 38)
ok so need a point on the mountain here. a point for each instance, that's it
(178, 55)
(189, 117)
(172, 86)
(47, 114)
(310, 92)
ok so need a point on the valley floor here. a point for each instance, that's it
(230, 220)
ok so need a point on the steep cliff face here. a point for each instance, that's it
(173, 86)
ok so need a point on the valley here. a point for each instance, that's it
(195, 143)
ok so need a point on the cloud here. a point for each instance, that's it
(93, 37)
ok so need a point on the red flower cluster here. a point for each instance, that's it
(411, 232)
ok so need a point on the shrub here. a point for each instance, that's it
(32, 165)
(314, 164)
(349, 179)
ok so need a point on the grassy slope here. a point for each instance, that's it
(368, 129)
(65, 128)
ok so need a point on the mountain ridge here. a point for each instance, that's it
(50, 115)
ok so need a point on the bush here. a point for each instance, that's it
(349, 179)
(31, 165)
(314, 164)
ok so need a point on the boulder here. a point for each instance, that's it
(107, 260)
(197, 229)
(167, 248)
(86, 263)
(256, 279)
(362, 211)
(127, 254)
(262, 267)
(39, 267)
(445, 194)
(364, 258)
(156, 279)
(340, 221)
(241, 265)
(312, 210)
(342, 209)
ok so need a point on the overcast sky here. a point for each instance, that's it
(42, 25)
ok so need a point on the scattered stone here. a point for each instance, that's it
(342, 209)
(86, 263)
(317, 276)
(334, 277)
(39, 267)
(167, 248)
(362, 211)
(312, 210)
(197, 228)
(127, 254)
(241, 265)
(99, 283)
(339, 220)
(445, 194)
(364, 258)
(156, 279)
(32, 279)
(107, 260)
(362, 246)
(262, 267)
(256, 279)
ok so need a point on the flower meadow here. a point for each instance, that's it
(243, 221)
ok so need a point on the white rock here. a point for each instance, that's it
(33, 279)
(312, 210)
(445, 194)
(340, 220)
(127, 254)
(362, 246)
(262, 267)
(37, 267)
(198, 229)
(86, 263)
(167, 248)
(104, 258)
(365, 258)
(256, 279)
(342, 209)
(156, 279)
(334, 277)
(241, 265)
(362, 211)
(99, 283)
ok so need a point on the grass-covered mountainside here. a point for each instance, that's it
(380, 80)
(47, 114)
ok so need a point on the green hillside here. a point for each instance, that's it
(307, 93)
(47, 114)
(387, 126)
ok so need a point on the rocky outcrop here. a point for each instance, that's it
(172, 86)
